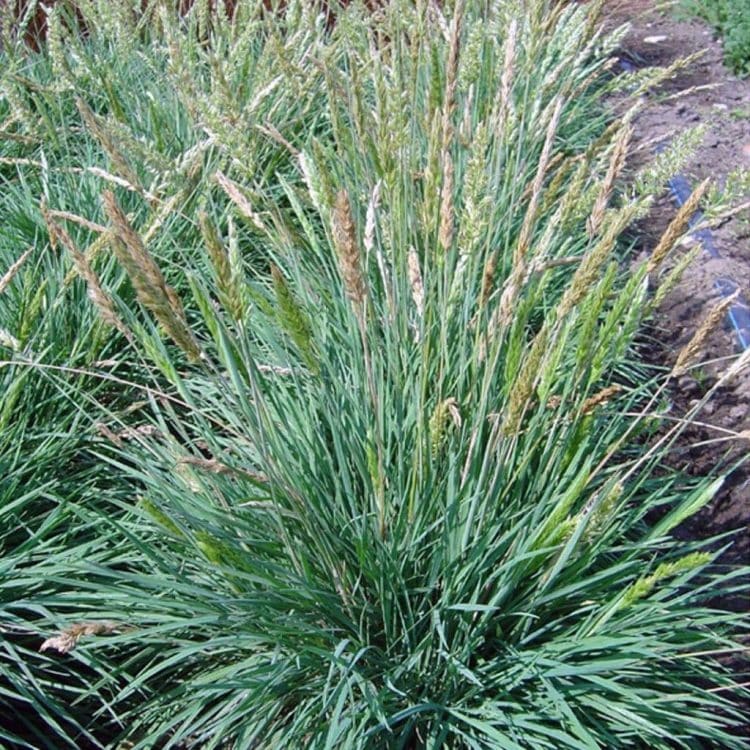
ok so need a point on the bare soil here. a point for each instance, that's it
(705, 93)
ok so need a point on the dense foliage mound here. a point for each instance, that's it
(323, 421)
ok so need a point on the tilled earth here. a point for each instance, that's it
(705, 93)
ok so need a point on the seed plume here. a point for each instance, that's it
(677, 227)
(350, 262)
(149, 283)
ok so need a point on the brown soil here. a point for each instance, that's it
(708, 94)
(721, 102)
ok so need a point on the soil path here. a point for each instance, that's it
(711, 96)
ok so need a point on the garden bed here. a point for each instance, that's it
(706, 94)
(339, 334)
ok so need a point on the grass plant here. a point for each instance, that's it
(382, 470)
(82, 116)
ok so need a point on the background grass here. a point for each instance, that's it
(731, 20)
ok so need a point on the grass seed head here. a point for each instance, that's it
(445, 414)
(451, 73)
(371, 220)
(616, 164)
(530, 218)
(110, 147)
(488, 278)
(229, 292)
(13, 270)
(602, 397)
(506, 78)
(294, 319)
(522, 389)
(602, 513)
(588, 271)
(677, 227)
(67, 639)
(149, 283)
(347, 250)
(156, 514)
(670, 279)
(646, 584)
(240, 200)
(103, 302)
(693, 347)
(415, 281)
(447, 218)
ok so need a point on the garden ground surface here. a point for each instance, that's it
(705, 93)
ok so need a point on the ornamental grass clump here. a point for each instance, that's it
(85, 115)
(405, 497)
